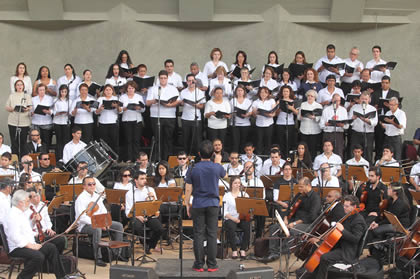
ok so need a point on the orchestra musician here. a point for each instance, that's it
(44, 166)
(387, 159)
(73, 146)
(142, 192)
(6, 166)
(250, 156)
(286, 179)
(219, 151)
(234, 167)
(302, 157)
(276, 164)
(325, 179)
(357, 160)
(6, 187)
(337, 212)
(233, 219)
(328, 157)
(183, 164)
(35, 144)
(28, 165)
(415, 177)
(83, 202)
(142, 164)
(82, 172)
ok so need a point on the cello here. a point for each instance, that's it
(411, 242)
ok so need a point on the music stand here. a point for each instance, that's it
(416, 195)
(395, 222)
(251, 206)
(3, 177)
(169, 195)
(358, 172)
(268, 180)
(53, 205)
(255, 192)
(326, 190)
(285, 192)
(115, 196)
(56, 178)
(67, 191)
(392, 174)
(306, 173)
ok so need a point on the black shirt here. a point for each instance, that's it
(374, 197)
(401, 210)
(283, 181)
(309, 209)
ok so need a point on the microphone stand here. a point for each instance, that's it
(287, 129)
(68, 100)
(194, 134)
(18, 129)
(158, 126)
(335, 126)
(133, 218)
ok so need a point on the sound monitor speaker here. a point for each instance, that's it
(264, 272)
(131, 272)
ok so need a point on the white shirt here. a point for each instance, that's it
(38, 119)
(18, 229)
(230, 204)
(108, 116)
(391, 130)
(363, 162)
(73, 87)
(334, 160)
(174, 80)
(325, 95)
(328, 114)
(82, 203)
(285, 118)
(415, 173)
(333, 182)
(209, 67)
(269, 169)
(45, 221)
(200, 77)
(324, 73)
(246, 105)
(270, 84)
(120, 186)
(83, 116)
(5, 205)
(392, 163)
(99, 188)
(255, 159)
(188, 110)
(309, 126)
(5, 148)
(291, 83)
(376, 76)
(36, 177)
(120, 81)
(226, 85)
(26, 81)
(139, 196)
(358, 125)
(213, 121)
(166, 93)
(60, 106)
(261, 120)
(356, 75)
(166, 184)
(231, 170)
(132, 115)
(71, 149)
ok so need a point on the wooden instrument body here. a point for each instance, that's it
(305, 250)
(411, 242)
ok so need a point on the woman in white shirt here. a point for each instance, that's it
(44, 77)
(71, 80)
(268, 81)
(124, 61)
(264, 119)
(163, 177)
(114, 77)
(286, 80)
(222, 81)
(309, 122)
(272, 60)
(285, 124)
(118, 210)
(61, 112)
(211, 66)
(83, 113)
(233, 220)
(217, 123)
(94, 90)
(43, 120)
(132, 121)
(240, 123)
(240, 62)
(21, 73)
(108, 110)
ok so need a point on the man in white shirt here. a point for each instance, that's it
(330, 58)
(348, 78)
(174, 79)
(22, 243)
(334, 131)
(249, 156)
(3, 147)
(325, 179)
(28, 166)
(6, 167)
(82, 172)
(85, 224)
(394, 125)
(329, 157)
(74, 146)
(357, 160)
(166, 111)
(276, 164)
(325, 94)
(415, 176)
(233, 168)
(376, 75)
(5, 198)
(363, 128)
(387, 159)
(202, 80)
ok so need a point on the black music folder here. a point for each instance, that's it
(368, 115)
(144, 82)
(299, 69)
(93, 87)
(307, 113)
(108, 104)
(92, 104)
(339, 66)
(352, 97)
(335, 122)
(278, 69)
(221, 114)
(170, 100)
(193, 103)
(263, 111)
(19, 108)
(368, 85)
(39, 109)
(392, 117)
(129, 71)
(255, 83)
(389, 66)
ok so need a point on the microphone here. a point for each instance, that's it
(159, 88)
(335, 106)
(364, 105)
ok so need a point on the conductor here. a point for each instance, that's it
(202, 183)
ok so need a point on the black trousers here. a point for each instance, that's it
(192, 136)
(34, 260)
(286, 137)
(379, 141)
(62, 136)
(328, 259)
(213, 134)
(205, 228)
(337, 140)
(59, 242)
(87, 132)
(239, 138)
(132, 134)
(154, 225)
(14, 140)
(167, 127)
(396, 143)
(231, 228)
(110, 134)
(313, 142)
(359, 138)
(264, 135)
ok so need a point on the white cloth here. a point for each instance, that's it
(391, 130)
(261, 120)
(166, 184)
(188, 110)
(174, 80)
(72, 83)
(231, 170)
(108, 116)
(5, 148)
(363, 162)
(139, 196)
(36, 177)
(309, 126)
(376, 76)
(325, 95)
(83, 116)
(333, 182)
(18, 229)
(209, 67)
(45, 221)
(71, 149)
(392, 163)
(38, 119)
(120, 81)
(328, 114)
(166, 93)
(26, 81)
(358, 125)
(82, 203)
(132, 115)
(269, 169)
(230, 204)
(270, 84)
(61, 106)
(213, 121)
(5, 205)
(255, 159)
(324, 73)
(334, 160)
(120, 186)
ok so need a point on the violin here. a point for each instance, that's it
(363, 197)
(295, 206)
(41, 235)
(93, 206)
(383, 205)
(411, 242)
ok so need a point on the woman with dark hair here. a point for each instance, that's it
(240, 62)
(124, 178)
(163, 177)
(61, 111)
(44, 77)
(114, 78)
(21, 73)
(42, 121)
(232, 218)
(215, 62)
(87, 79)
(124, 60)
(217, 124)
(71, 80)
(267, 80)
(83, 113)
(273, 61)
(19, 106)
(286, 80)
(302, 157)
(285, 124)
(299, 59)
(310, 81)
(240, 123)
(25, 182)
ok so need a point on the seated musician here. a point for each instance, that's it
(387, 159)
(345, 250)
(304, 214)
(73, 146)
(44, 167)
(376, 191)
(82, 172)
(357, 160)
(84, 201)
(6, 167)
(22, 243)
(144, 193)
(276, 164)
(234, 167)
(337, 212)
(142, 164)
(163, 177)
(183, 164)
(303, 157)
(325, 179)
(218, 150)
(328, 157)
(5, 198)
(124, 180)
(286, 179)
(250, 156)
(415, 176)
(38, 212)
(28, 165)
(232, 218)
(267, 163)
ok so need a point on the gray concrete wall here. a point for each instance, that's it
(96, 45)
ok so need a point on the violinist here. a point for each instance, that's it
(82, 172)
(276, 163)
(142, 192)
(376, 191)
(286, 179)
(233, 219)
(84, 201)
(37, 213)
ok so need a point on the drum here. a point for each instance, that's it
(97, 155)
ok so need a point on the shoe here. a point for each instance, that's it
(198, 269)
(212, 269)
(122, 259)
(272, 257)
(100, 262)
(243, 257)
(148, 252)
(234, 257)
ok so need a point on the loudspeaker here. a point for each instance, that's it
(131, 272)
(264, 272)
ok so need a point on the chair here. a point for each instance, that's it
(102, 221)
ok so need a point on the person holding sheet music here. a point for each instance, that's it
(353, 97)
(331, 59)
(114, 77)
(376, 75)
(82, 109)
(309, 115)
(286, 79)
(325, 179)
(61, 111)
(217, 111)
(132, 107)
(21, 73)
(245, 78)
(273, 62)
(124, 61)
(94, 88)
(325, 95)
(221, 81)
(200, 77)
(394, 123)
(211, 66)
(268, 81)
(142, 73)
(44, 77)
(310, 82)
(241, 124)
(18, 105)
(285, 124)
(108, 109)
(42, 115)
(174, 79)
(193, 100)
(334, 131)
(232, 218)
(240, 62)
(71, 80)
(352, 70)
(163, 100)
(298, 76)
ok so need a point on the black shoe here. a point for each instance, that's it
(100, 262)
(272, 257)
(148, 252)
(122, 259)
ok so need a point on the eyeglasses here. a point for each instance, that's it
(126, 175)
(29, 182)
(35, 135)
(182, 158)
(45, 159)
(91, 184)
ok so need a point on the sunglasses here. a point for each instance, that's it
(126, 175)
(91, 184)
(34, 135)
(45, 159)
(182, 158)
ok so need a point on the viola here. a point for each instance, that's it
(41, 235)
(295, 206)
(93, 206)
(411, 242)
